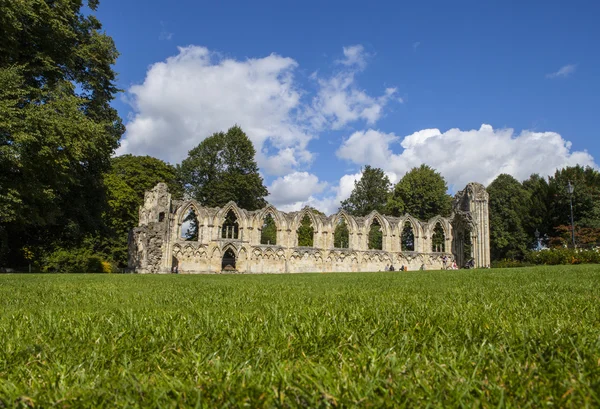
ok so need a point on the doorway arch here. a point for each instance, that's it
(228, 261)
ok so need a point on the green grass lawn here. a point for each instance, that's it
(492, 338)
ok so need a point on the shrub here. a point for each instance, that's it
(79, 260)
(107, 267)
(510, 264)
(563, 256)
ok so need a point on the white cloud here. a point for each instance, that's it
(340, 102)
(354, 56)
(330, 202)
(563, 71)
(477, 155)
(416, 45)
(294, 189)
(197, 92)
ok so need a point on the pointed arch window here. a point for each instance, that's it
(306, 232)
(230, 229)
(438, 239)
(375, 235)
(268, 232)
(341, 234)
(407, 237)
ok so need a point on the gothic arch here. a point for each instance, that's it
(383, 222)
(280, 221)
(219, 218)
(190, 205)
(350, 221)
(416, 225)
(316, 223)
(433, 222)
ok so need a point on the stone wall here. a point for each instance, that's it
(157, 246)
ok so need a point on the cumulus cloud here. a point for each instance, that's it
(329, 202)
(292, 190)
(197, 92)
(563, 71)
(339, 102)
(477, 155)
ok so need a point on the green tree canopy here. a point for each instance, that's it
(341, 238)
(421, 193)
(268, 232)
(508, 212)
(539, 207)
(128, 178)
(370, 193)
(306, 232)
(222, 168)
(57, 128)
(586, 197)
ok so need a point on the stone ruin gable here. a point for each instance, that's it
(157, 246)
(471, 220)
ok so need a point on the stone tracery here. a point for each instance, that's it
(232, 236)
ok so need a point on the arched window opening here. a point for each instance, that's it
(161, 217)
(228, 262)
(268, 233)
(341, 235)
(189, 227)
(467, 247)
(438, 239)
(375, 236)
(306, 232)
(230, 229)
(408, 237)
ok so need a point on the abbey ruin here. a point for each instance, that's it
(229, 238)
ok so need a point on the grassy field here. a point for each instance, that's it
(492, 338)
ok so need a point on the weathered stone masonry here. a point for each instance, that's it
(156, 245)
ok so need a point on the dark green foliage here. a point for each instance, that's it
(341, 238)
(268, 233)
(370, 193)
(407, 238)
(540, 203)
(375, 236)
(57, 128)
(518, 338)
(508, 208)
(73, 260)
(306, 232)
(222, 168)
(191, 234)
(422, 193)
(438, 242)
(586, 197)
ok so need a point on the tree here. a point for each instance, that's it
(126, 182)
(222, 168)
(509, 208)
(341, 237)
(420, 193)
(268, 233)
(57, 128)
(586, 197)
(306, 232)
(539, 204)
(370, 193)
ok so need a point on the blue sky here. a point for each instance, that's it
(472, 88)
